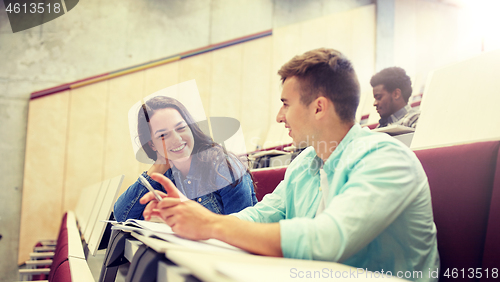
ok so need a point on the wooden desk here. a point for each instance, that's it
(232, 266)
(394, 129)
(241, 267)
(131, 246)
(80, 271)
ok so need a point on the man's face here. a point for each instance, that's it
(294, 114)
(384, 102)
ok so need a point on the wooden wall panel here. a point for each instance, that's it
(339, 35)
(85, 147)
(198, 68)
(119, 156)
(225, 97)
(160, 77)
(42, 204)
(285, 45)
(405, 36)
(312, 34)
(255, 89)
(363, 51)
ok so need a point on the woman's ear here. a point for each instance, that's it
(152, 145)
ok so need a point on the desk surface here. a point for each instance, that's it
(233, 266)
(242, 267)
(394, 129)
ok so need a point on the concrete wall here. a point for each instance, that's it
(101, 36)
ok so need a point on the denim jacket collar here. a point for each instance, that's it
(189, 186)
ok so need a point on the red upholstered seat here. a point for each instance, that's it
(59, 258)
(461, 180)
(266, 180)
(62, 272)
(62, 240)
(61, 251)
(491, 256)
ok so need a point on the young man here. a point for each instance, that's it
(391, 90)
(353, 196)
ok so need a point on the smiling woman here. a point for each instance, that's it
(200, 168)
(170, 134)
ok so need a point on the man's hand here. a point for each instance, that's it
(193, 221)
(187, 218)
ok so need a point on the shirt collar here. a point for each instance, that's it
(332, 161)
(400, 113)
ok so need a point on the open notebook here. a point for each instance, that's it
(162, 231)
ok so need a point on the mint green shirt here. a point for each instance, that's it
(378, 212)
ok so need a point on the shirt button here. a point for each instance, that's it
(189, 181)
(320, 189)
(199, 200)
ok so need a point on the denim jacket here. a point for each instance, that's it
(226, 200)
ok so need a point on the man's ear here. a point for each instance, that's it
(396, 94)
(321, 106)
(152, 145)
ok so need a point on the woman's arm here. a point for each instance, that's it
(128, 206)
(238, 188)
(237, 198)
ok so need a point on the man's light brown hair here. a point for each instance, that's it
(328, 73)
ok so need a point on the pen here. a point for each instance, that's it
(146, 183)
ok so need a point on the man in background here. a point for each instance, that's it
(392, 90)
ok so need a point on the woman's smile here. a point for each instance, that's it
(182, 146)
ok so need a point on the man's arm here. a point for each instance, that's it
(191, 220)
(258, 238)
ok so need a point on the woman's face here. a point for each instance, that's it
(172, 138)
